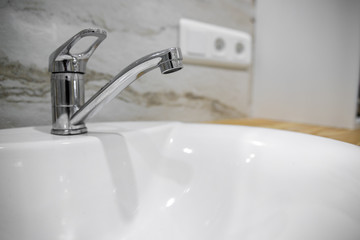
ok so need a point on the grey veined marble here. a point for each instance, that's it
(31, 30)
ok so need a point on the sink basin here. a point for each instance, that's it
(169, 180)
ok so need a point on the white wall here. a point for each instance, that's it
(307, 57)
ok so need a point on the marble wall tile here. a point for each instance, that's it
(31, 30)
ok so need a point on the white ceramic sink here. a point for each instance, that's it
(173, 181)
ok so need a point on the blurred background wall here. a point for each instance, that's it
(307, 61)
(31, 30)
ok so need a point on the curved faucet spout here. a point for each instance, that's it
(168, 60)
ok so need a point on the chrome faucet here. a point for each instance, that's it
(69, 112)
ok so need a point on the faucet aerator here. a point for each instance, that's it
(171, 66)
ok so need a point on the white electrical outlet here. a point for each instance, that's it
(207, 44)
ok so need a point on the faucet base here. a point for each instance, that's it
(64, 132)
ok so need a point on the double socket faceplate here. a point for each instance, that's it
(206, 44)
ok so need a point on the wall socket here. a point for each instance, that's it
(211, 45)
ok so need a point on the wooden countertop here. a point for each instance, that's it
(345, 135)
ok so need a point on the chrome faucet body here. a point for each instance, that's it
(69, 112)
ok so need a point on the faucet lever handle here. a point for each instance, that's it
(62, 60)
